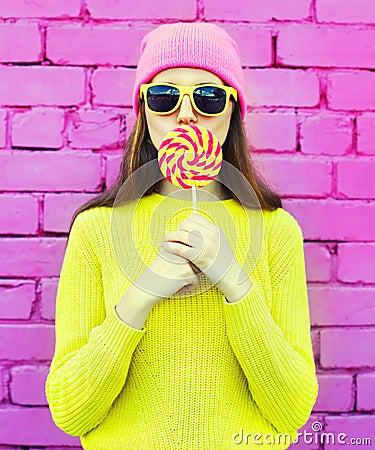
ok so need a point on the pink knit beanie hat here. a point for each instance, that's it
(182, 44)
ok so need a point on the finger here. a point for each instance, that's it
(184, 289)
(178, 236)
(195, 280)
(188, 287)
(198, 225)
(196, 234)
(191, 227)
(190, 253)
(192, 279)
(187, 238)
(172, 257)
(196, 269)
(203, 221)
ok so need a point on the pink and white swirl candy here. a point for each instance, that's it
(190, 155)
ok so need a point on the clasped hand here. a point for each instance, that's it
(204, 244)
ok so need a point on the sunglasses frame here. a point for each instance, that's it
(189, 90)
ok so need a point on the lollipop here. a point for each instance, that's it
(190, 157)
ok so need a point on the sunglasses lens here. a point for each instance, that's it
(210, 99)
(162, 99)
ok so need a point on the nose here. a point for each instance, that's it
(186, 111)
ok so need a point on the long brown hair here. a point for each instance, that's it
(140, 150)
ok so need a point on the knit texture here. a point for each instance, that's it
(201, 369)
(200, 45)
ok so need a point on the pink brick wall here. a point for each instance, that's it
(66, 75)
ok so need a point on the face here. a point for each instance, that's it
(159, 126)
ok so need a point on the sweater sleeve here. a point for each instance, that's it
(273, 345)
(93, 349)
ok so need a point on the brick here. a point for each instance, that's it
(281, 87)
(315, 339)
(94, 45)
(255, 45)
(25, 86)
(290, 175)
(16, 299)
(40, 256)
(27, 386)
(59, 209)
(48, 302)
(19, 342)
(356, 263)
(113, 168)
(130, 122)
(41, 8)
(350, 11)
(318, 262)
(275, 131)
(113, 86)
(301, 45)
(257, 10)
(351, 427)
(20, 42)
(326, 135)
(351, 90)
(49, 171)
(58, 448)
(2, 388)
(331, 305)
(333, 220)
(347, 348)
(335, 393)
(365, 134)
(355, 179)
(113, 9)
(31, 426)
(39, 127)
(19, 214)
(3, 123)
(95, 129)
(366, 392)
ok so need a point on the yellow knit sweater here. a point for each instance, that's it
(203, 373)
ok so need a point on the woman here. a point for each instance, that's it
(149, 363)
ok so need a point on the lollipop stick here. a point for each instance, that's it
(194, 195)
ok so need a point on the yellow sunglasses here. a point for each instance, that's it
(207, 99)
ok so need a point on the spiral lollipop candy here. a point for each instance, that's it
(190, 157)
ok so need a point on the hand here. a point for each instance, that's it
(168, 274)
(205, 245)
